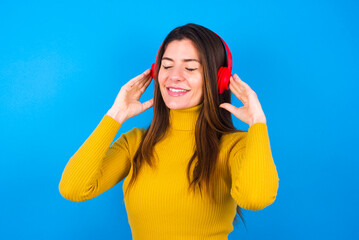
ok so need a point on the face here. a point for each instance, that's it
(181, 75)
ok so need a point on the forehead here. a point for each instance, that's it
(181, 49)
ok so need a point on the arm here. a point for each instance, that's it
(96, 166)
(254, 176)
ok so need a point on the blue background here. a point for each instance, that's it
(62, 64)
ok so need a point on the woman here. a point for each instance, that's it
(191, 146)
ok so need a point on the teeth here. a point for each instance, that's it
(177, 90)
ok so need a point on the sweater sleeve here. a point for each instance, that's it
(254, 176)
(96, 166)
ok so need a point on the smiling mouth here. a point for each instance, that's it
(176, 92)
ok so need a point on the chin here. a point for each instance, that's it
(180, 105)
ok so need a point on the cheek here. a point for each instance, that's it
(199, 85)
(160, 82)
(161, 78)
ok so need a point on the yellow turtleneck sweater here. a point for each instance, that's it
(159, 205)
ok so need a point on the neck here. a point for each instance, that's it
(184, 119)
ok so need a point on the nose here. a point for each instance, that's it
(175, 73)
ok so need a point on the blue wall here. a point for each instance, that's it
(62, 64)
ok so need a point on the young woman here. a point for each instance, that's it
(190, 170)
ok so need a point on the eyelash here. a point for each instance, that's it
(189, 69)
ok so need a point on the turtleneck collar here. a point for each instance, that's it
(184, 119)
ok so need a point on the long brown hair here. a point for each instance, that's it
(212, 121)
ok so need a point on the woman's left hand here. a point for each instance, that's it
(251, 112)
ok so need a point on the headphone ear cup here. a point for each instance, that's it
(153, 70)
(223, 77)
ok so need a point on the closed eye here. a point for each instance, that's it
(188, 69)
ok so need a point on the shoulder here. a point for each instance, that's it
(134, 135)
(237, 141)
(135, 132)
(257, 130)
(130, 141)
(233, 140)
(231, 144)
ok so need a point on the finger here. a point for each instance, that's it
(145, 77)
(238, 85)
(249, 94)
(142, 85)
(146, 105)
(146, 81)
(139, 91)
(136, 89)
(238, 93)
(146, 84)
(134, 80)
(241, 82)
(234, 85)
(229, 107)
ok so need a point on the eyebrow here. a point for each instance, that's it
(185, 60)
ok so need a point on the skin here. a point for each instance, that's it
(252, 111)
(127, 102)
(181, 68)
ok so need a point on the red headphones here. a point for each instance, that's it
(223, 74)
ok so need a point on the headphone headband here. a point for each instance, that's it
(229, 55)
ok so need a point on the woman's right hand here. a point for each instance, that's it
(127, 102)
